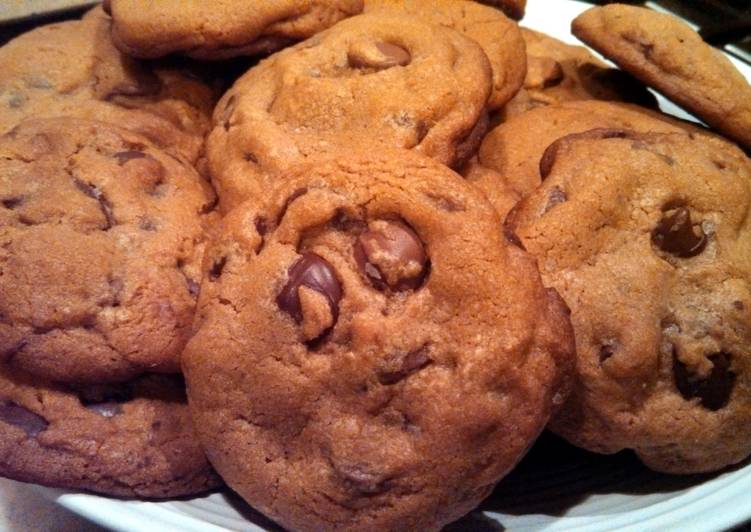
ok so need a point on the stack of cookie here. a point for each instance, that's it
(369, 338)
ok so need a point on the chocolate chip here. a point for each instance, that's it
(217, 268)
(396, 55)
(713, 390)
(402, 366)
(125, 156)
(250, 157)
(556, 196)
(512, 237)
(607, 350)
(316, 273)
(105, 206)
(193, 287)
(12, 203)
(677, 235)
(391, 255)
(23, 418)
(388, 55)
(108, 409)
(739, 305)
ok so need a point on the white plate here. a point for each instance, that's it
(557, 487)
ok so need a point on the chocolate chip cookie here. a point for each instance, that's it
(378, 351)
(507, 167)
(101, 238)
(668, 55)
(220, 29)
(646, 236)
(133, 439)
(559, 72)
(499, 37)
(373, 80)
(73, 69)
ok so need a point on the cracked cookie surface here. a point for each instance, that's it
(373, 345)
(101, 236)
(73, 69)
(373, 80)
(133, 439)
(646, 236)
(498, 36)
(222, 28)
(668, 55)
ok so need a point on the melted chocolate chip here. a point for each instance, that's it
(391, 255)
(389, 55)
(125, 156)
(405, 366)
(511, 237)
(217, 268)
(607, 350)
(677, 235)
(714, 390)
(105, 206)
(316, 273)
(11, 203)
(23, 418)
(556, 196)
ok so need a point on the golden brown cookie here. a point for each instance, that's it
(559, 72)
(507, 167)
(375, 80)
(647, 238)
(101, 238)
(221, 28)
(133, 439)
(498, 36)
(370, 346)
(73, 69)
(668, 55)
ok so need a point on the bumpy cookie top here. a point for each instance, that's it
(373, 345)
(221, 28)
(73, 69)
(667, 54)
(499, 37)
(373, 80)
(647, 238)
(101, 237)
(559, 72)
(133, 439)
(508, 163)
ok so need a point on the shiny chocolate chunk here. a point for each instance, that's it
(713, 390)
(316, 273)
(403, 366)
(385, 55)
(23, 418)
(391, 255)
(125, 156)
(678, 235)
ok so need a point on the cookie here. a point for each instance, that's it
(132, 440)
(646, 236)
(375, 80)
(668, 55)
(507, 167)
(378, 351)
(102, 238)
(498, 36)
(512, 8)
(559, 72)
(221, 29)
(73, 69)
